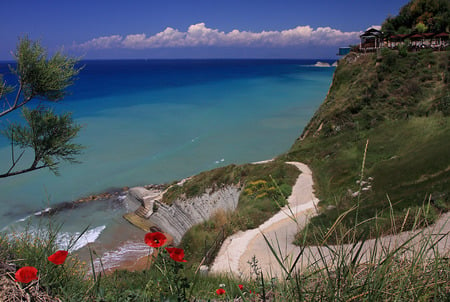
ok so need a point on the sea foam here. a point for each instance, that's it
(130, 251)
(65, 239)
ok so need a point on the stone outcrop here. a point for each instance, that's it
(176, 219)
(141, 197)
(179, 217)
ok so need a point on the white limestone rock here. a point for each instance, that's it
(139, 196)
(179, 217)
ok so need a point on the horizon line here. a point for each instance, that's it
(198, 59)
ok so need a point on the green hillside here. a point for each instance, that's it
(399, 105)
(422, 16)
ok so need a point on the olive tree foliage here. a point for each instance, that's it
(40, 81)
(433, 14)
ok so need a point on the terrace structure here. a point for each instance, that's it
(394, 41)
(373, 39)
(440, 40)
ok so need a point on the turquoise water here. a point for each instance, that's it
(196, 117)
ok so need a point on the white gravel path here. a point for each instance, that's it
(280, 230)
(240, 247)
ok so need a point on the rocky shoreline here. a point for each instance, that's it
(113, 195)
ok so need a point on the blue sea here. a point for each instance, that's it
(156, 121)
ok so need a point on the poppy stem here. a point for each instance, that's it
(65, 272)
(150, 254)
(166, 276)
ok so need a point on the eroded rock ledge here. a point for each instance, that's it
(176, 219)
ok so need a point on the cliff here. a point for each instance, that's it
(239, 196)
(176, 219)
(369, 89)
(381, 139)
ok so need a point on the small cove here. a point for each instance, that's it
(152, 122)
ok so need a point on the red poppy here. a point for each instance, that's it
(220, 291)
(241, 287)
(26, 274)
(59, 257)
(155, 239)
(176, 254)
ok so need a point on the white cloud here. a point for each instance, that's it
(135, 41)
(200, 35)
(103, 42)
(328, 35)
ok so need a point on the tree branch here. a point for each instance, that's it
(26, 170)
(15, 162)
(49, 135)
(16, 102)
(18, 94)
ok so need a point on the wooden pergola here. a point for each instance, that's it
(395, 40)
(371, 39)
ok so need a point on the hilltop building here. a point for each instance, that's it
(373, 39)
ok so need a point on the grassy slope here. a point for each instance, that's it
(407, 157)
(264, 189)
(401, 105)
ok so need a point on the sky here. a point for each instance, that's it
(128, 29)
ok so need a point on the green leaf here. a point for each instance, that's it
(49, 135)
(40, 77)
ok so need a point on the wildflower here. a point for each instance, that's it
(241, 287)
(176, 254)
(155, 239)
(220, 291)
(26, 274)
(59, 257)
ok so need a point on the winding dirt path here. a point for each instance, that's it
(280, 229)
(239, 249)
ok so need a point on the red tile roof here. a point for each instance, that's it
(416, 36)
(442, 35)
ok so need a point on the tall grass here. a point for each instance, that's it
(264, 188)
(32, 247)
(394, 266)
(401, 104)
(414, 268)
(407, 160)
